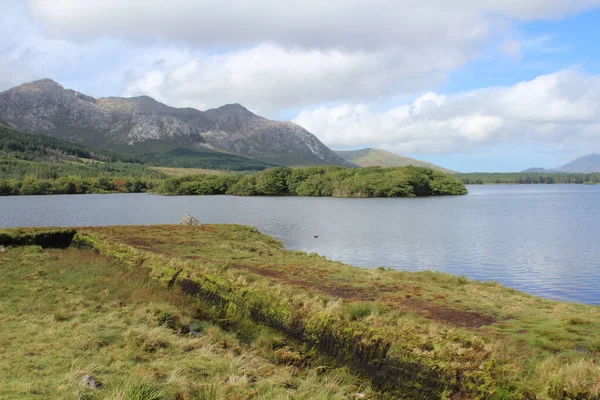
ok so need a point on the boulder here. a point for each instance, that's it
(188, 220)
(88, 382)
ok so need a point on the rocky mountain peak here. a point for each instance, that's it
(42, 84)
(133, 123)
(231, 110)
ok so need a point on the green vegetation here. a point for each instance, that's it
(42, 148)
(480, 178)
(74, 185)
(179, 172)
(321, 181)
(70, 313)
(38, 164)
(420, 335)
(206, 159)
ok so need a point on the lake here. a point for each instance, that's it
(541, 239)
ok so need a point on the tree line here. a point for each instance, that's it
(321, 181)
(526, 178)
(75, 185)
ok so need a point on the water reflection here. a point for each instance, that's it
(537, 238)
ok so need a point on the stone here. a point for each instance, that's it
(88, 382)
(188, 220)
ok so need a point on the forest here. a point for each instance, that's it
(321, 181)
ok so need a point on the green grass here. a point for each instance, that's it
(67, 313)
(414, 335)
(504, 341)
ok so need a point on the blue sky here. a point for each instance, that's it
(497, 85)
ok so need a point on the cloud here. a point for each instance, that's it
(26, 53)
(268, 77)
(347, 24)
(271, 56)
(562, 108)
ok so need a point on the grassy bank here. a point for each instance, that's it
(412, 335)
(69, 313)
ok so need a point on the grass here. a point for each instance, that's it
(178, 172)
(436, 335)
(67, 313)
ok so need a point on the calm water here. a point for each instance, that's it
(542, 239)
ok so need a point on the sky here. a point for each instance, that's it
(471, 85)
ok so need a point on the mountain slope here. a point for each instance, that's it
(375, 157)
(141, 124)
(46, 149)
(42, 148)
(585, 164)
(536, 170)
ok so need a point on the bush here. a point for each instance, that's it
(322, 181)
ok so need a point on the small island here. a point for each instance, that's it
(331, 181)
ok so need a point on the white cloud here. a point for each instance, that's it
(267, 77)
(561, 108)
(275, 55)
(27, 54)
(308, 23)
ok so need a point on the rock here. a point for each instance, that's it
(88, 382)
(188, 220)
(47, 108)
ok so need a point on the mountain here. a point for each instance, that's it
(584, 165)
(42, 148)
(536, 170)
(141, 125)
(375, 157)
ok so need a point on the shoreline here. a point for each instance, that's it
(422, 314)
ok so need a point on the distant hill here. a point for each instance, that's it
(536, 170)
(376, 157)
(583, 165)
(586, 164)
(140, 125)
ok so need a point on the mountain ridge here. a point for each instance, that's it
(585, 164)
(369, 157)
(141, 124)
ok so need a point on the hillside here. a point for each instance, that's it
(33, 147)
(585, 164)
(43, 148)
(376, 157)
(222, 311)
(142, 125)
